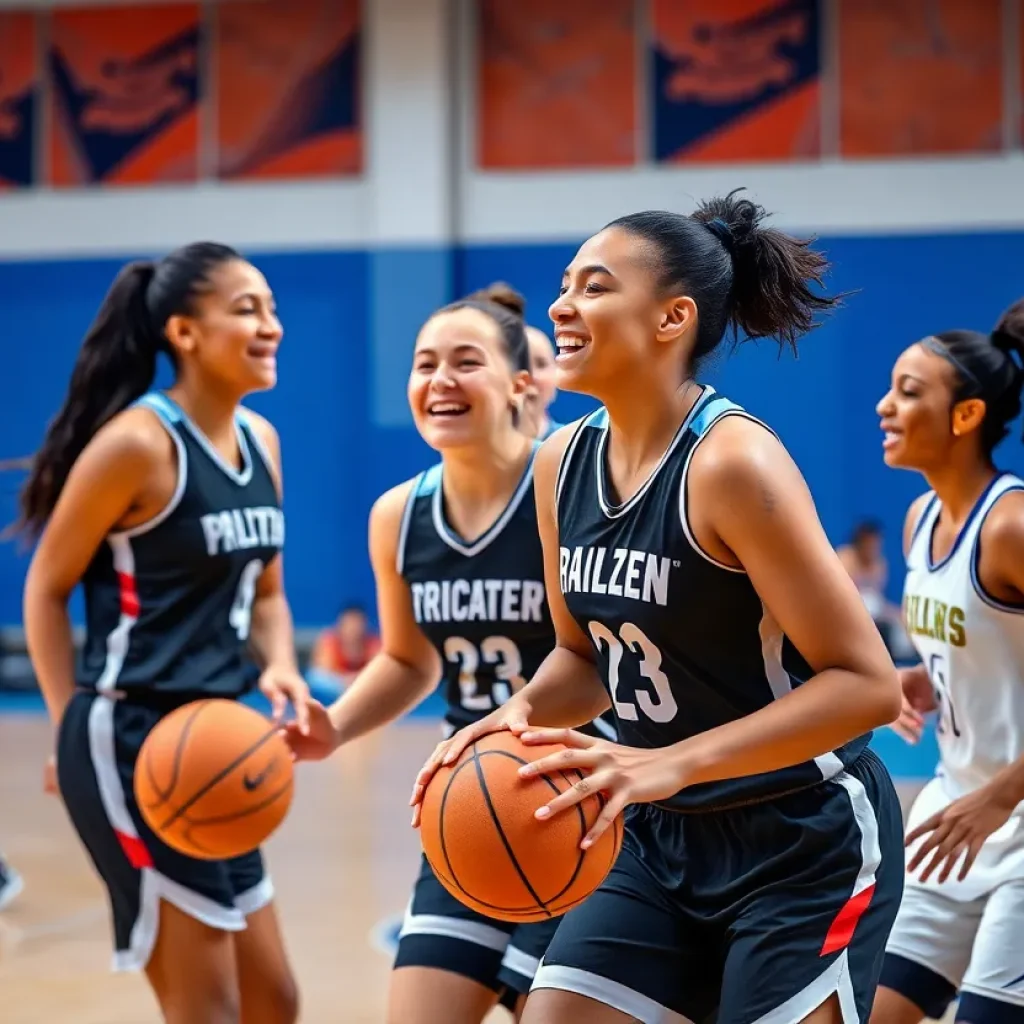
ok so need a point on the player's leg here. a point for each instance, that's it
(926, 956)
(993, 987)
(629, 953)
(173, 916)
(448, 959)
(824, 876)
(267, 985)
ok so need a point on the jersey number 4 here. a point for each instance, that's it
(502, 657)
(240, 615)
(634, 640)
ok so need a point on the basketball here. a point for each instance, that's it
(214, 779)
(487, 849)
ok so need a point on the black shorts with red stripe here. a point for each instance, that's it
(757, 913)
(97, 747)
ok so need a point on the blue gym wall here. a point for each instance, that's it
(337, 460)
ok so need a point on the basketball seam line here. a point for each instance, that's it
(219, 777)
(179, 753)
(501, 832)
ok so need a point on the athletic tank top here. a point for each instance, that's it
(683, 642)
(481, 604)
(972, 646)
(169, 602)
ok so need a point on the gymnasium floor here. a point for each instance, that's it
(343, 863)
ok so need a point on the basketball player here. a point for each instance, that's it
(166, 507)
(459, 574)
(961, 924)
(691, 582)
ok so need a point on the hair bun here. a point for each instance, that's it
(1008, 335)
(501, 294)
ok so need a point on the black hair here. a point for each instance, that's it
(116, 363)
(754, 279)
(984, 368)
(866, 528)
(507, 308)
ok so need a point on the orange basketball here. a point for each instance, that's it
(214, 779)
(489, 851)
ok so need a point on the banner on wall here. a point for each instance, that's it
(735, 79)
(124, 94)
(920, 77)
(19, 98)
(288, 88)
(556, 84)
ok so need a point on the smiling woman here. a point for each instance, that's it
(166, 507)
(951, 401)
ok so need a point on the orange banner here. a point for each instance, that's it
(125, 87)
(288, 90)
(19, 98)
(735, 80)
(556, 84)
(920, 77)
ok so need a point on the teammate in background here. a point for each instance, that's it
(690, 579)
(460, 591)
(166, 507)
(542, 391)
(11, 883)
(961, 925)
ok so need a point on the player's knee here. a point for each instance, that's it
(282, 1002)
(211, 1001)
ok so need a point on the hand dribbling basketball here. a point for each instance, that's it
(282, 685)
(512, 715)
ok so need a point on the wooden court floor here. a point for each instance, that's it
(343, 862)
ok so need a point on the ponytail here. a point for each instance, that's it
(116, 365)
(755, 279)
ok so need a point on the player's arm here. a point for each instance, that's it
(758, 507)
(272, 632)
(1001, 574)
(566, 690)
(271, 629)
(406, 668)
(104, 487)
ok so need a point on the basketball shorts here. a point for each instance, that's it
(756, 913)
(439, 931)
(965, 936)
(97, 746)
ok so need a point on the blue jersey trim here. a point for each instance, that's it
(161, 405)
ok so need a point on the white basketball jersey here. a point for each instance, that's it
(972, 646)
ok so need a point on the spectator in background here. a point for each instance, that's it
(344, 648)
(863, 559)
(543, 391)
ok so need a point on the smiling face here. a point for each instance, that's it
(612, 321)
(232, 333)
(919, 416)
(462, 389)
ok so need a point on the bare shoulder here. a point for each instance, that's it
(549, 455)
(741, 462)
(134, 440)
(389, 508)
(1003, 530)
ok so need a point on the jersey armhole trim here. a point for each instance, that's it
(975, 558)
(684, 475)
(566, 459)
(403, 528)
(166, 421)
(921, 518)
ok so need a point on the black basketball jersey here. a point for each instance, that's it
(169, 602)
(482, 605)
(683, 641)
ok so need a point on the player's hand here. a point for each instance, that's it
(626, 775)
(918, 701)
(959, 830)
(50, 776)
(284, 685)
(512, 715)
(320, 739)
